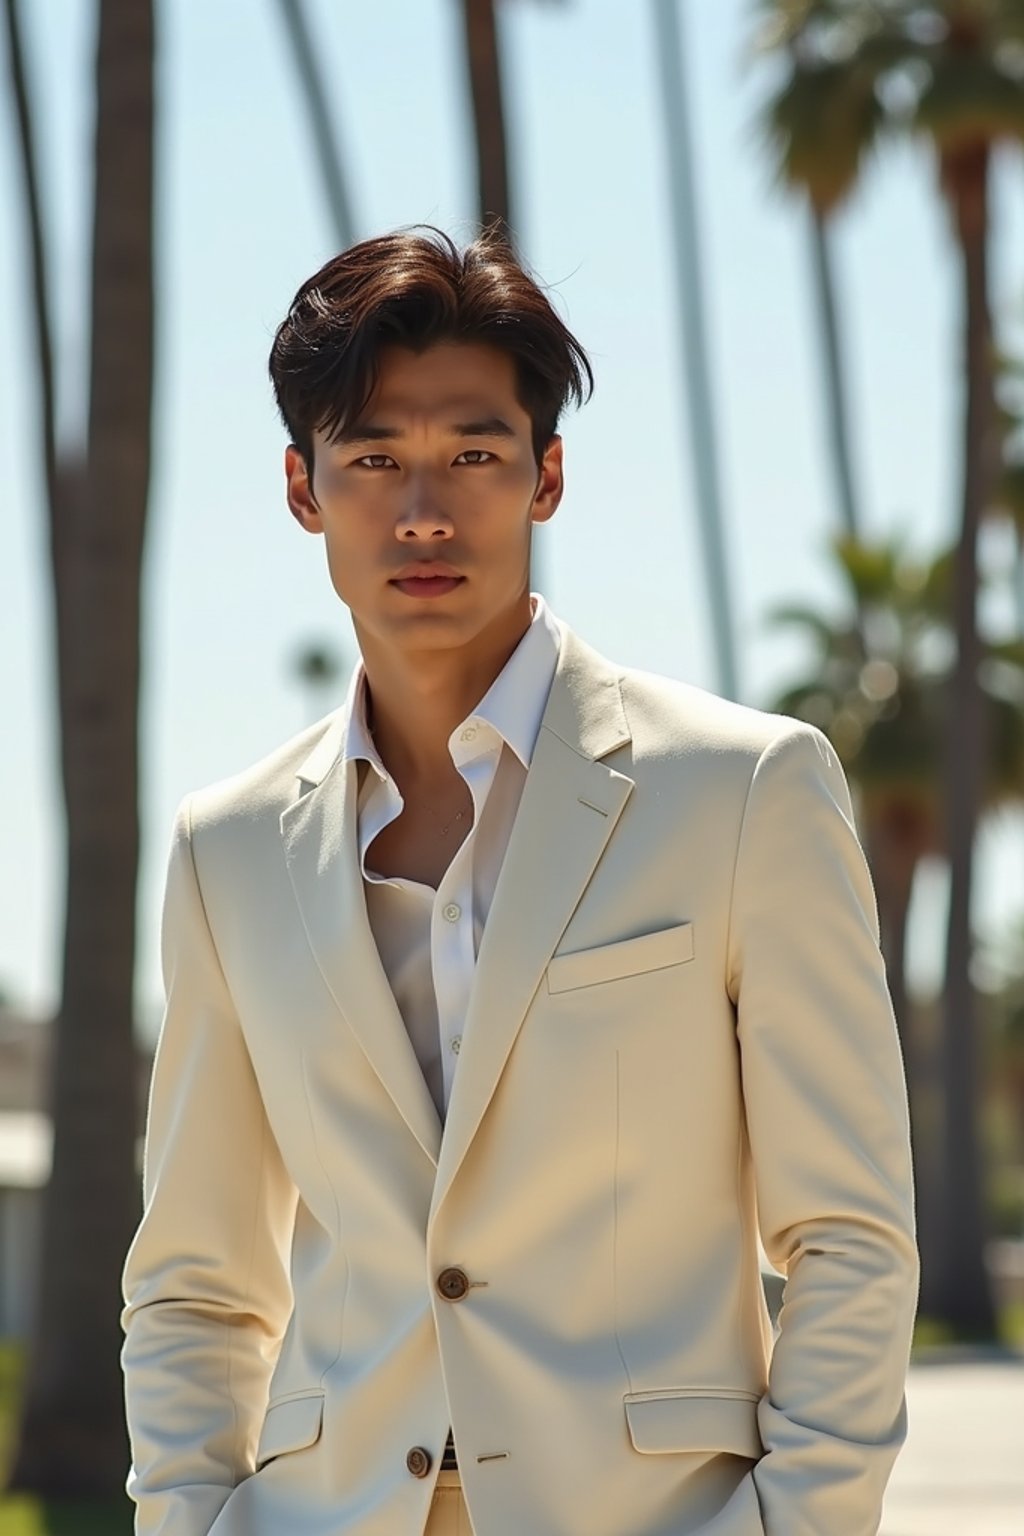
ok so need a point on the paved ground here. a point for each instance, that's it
(961, 1472)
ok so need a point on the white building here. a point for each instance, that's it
(26, 1139)
(26, 1143)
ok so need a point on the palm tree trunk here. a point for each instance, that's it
(484, 67)
(63, 470)
(494, 197)
(836, 410)
(72, 1438)
(1018, 576)
(893, 868)
(961, 1293)
(894, 880)
(837, 413)
(310, 81)
(37, 248)
(693, 341)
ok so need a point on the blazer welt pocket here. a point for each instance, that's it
(685, 1419)
(291, 1423)
(629, 957)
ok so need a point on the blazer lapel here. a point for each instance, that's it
(322, 852)
(570, 805)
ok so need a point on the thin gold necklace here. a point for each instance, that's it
(424, 806)
(422, 803)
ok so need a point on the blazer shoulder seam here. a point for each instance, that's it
(186, 813)
(791, 730)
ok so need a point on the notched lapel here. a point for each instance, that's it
(571, 803)
(321, 849)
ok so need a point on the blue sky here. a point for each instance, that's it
(233, 587)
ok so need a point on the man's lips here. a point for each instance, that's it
(427, 586)
(420, 569)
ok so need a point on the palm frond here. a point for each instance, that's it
(783, 22)
(1008, 20)
(807, 700)
(831, 639)
(870, 569)
(970, 99)
(1009, 497)
(1006, 750)
(821, 127)
(937, 591)
(1011, 653)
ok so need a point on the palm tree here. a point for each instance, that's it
(325, 141)
(820, 196)
(495, 202)
(72, 1435)
(885, 712)
(949, 73)
(1010, 493)
(693, 337)
(317, 668)
(885, 715)
(1007, 1068)
(485, 80)
(483, 63)
(837, 409)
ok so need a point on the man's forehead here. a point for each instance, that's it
(453, 367)
(448, 386)
(460, 416)
(445, 406)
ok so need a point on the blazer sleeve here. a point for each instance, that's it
(206, 1280)
(826, 1112)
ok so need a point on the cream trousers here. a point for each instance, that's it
(448, 1514)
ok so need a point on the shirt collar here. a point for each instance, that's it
(513, 705)
(358, 743)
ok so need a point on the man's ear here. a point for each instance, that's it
(550, 482)
(299, 491)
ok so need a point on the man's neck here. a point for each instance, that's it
(415, 701)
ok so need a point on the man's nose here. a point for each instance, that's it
(423, 518)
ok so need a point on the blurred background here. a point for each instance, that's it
(791, 236)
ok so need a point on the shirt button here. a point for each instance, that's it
(453, 1284)
(452, 913)
(457, 1044)
(469, 734)
(419, 1461)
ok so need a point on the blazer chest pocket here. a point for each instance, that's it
(291, 1423)
(629, 957)
(694, 1420)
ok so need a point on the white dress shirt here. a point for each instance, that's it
(428, 940)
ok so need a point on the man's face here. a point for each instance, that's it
(439, 471)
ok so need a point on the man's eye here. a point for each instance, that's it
(376, 460)
(481, 455)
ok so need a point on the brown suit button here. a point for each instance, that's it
(419, 1461)
(453, 1284)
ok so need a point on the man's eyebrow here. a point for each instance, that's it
(365, 432)
(372, 432)
(491, 426)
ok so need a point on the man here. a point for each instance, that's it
(505, 1008)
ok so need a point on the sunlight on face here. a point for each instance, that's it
(438, 472)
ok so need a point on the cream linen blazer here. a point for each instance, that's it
(679, 1037)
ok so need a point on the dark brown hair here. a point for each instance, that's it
(414, 290)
